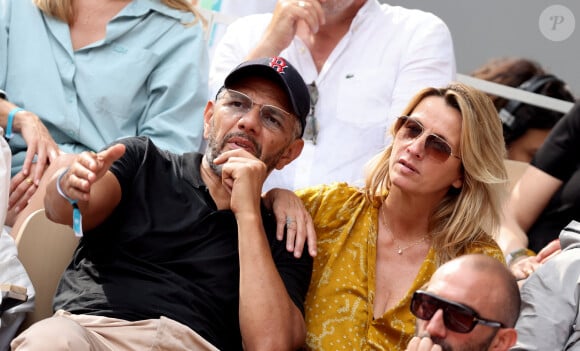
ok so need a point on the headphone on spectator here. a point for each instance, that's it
(514, 127)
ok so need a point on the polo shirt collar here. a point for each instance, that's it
(192, 169)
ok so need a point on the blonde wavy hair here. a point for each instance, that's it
(471, 214)
(63, 9)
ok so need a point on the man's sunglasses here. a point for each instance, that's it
(457, 317)
(408, 128)
(311, 128)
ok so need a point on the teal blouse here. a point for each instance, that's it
(148, 77)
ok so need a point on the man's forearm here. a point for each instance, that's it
(269, 319)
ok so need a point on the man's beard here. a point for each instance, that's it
(482, 346)
(214, 149)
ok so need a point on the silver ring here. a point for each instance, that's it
(301, 4)
(289, 220)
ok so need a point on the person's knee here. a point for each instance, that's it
(55, 333)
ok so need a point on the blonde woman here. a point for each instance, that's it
(431, 196)
(78, 74)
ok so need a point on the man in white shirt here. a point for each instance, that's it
(365, 59)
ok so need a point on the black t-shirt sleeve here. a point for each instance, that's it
(558, 156)
(128, 165)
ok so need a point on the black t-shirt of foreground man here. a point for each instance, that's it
(180, 246)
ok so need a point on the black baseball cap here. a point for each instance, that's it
(284, 74)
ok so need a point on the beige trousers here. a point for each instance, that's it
(66, 331)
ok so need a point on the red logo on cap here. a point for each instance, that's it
(279, 64)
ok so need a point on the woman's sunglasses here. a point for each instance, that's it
(408, 128)
(457, 317)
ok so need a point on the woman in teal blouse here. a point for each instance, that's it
(78, 75)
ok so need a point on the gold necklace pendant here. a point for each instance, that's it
(399, 250)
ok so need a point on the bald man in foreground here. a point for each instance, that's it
(471, 303)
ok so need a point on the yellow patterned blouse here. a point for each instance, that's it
(339, 303)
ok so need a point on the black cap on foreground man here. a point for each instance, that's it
(178, 250)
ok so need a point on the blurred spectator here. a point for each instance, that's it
(525, 126)
(546, 197)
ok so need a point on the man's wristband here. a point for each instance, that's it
(8, 135)
(77, 216)
(515, 255)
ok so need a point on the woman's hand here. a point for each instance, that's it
(41, 151)
(22, 187)
(292, 217)
(525, 266)
(39, 143)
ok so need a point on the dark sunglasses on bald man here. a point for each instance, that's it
(457, 317)
(408, 128)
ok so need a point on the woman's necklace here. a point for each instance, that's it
(400, 249)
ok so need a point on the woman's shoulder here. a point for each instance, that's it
(337, 191)
(487, 246)
(331, 197)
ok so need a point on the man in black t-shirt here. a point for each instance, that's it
(545, 198)
(178, 251)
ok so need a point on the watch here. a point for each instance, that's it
(515, 255)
